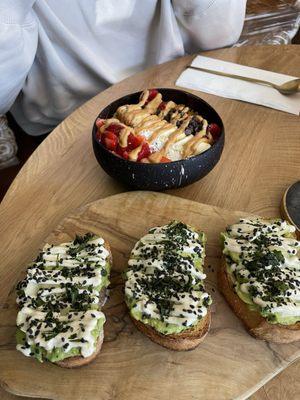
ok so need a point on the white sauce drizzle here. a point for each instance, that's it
(43, 297)
(241, 244)
(187, 306)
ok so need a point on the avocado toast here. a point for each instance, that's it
(260, 277)
(164, 287)
(60, 318)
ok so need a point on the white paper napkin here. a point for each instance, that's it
(237, 89)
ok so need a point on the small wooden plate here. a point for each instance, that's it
(229, 364)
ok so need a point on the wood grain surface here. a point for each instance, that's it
(229, 364)
(260, 159)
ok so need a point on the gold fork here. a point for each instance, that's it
(286, 88)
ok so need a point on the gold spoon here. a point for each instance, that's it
(289, 87)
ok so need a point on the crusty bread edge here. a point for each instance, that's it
(79, 361)
(187, 340)
(253, 321)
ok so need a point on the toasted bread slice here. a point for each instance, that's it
(254, 322)
(186, 340)
(163, 267)
(79, 361)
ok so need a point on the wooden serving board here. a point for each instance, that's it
(229, 364)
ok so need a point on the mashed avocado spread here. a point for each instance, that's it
(165, 280)
(59, 300)
(262, 259)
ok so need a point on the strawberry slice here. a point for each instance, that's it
(134, 141)
(145, 152)
(110, 135)
(125, 155)
(114, 128)
(110, 141)
(214, 130)
(162, 106)
(110, 144)
(164, 159)
(152, 94)
(100, 122)
(122, 152)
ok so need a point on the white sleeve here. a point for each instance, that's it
(209, 24)
(18, 44)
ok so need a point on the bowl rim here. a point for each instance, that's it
(155, 165)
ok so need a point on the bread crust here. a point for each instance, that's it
(79, 361)
(254, 322)
(186, 340)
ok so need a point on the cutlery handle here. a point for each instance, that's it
(243, 78)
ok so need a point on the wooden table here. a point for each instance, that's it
(261, 158)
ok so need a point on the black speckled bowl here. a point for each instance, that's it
(164, 175)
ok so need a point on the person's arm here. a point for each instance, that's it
(18, 44)
(209, 24)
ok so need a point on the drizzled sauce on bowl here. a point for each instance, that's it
(156, 131)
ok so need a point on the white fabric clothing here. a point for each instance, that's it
(56, 54)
